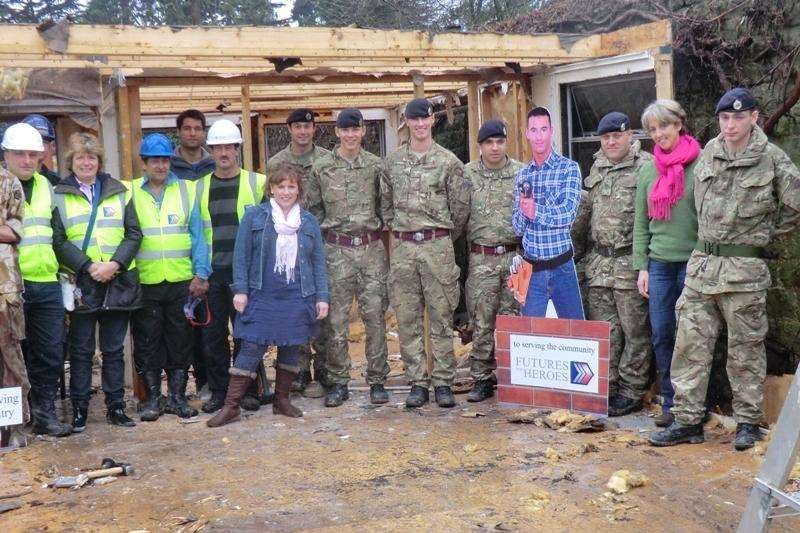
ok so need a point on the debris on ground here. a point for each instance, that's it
(718, 421)
(582, 449)
(616, 507)
(537, 500)
(470, 448)
(630, 439)
(622, 481)
(552, 455)
(563, 420)
(9, 506)
(472, 414)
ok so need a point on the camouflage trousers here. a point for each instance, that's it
(314, 351)
(357, 272)
(631, 357)
(700, 318)
(12, 361)
(424, 276)
(487, 297)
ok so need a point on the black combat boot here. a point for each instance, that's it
(176, 399)
(378, 394)
(482, 390)
(116, 417)
(444, 396)
(746, 436)
(336, 396)
(45, 419)
(214, 403)
(619, 405)
(417, 397)
(677, 433)
(301, 381)
(151, 408)
(80, 412)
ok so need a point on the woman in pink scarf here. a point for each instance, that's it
(665, 230)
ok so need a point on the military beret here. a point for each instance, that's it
(349, 118)
(614, 121)
(300, 115)
(738, 99)
(492, 128)
(418, 108)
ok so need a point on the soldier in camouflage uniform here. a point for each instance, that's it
(343, 192)
(579, 232)
(12, 318)
(747, 190)
(425, 201)
(493, 245)
(612, 293)
(304, 153)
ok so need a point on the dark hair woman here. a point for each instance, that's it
(280, 288)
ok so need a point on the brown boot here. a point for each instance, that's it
(281, 404)
(230, 411)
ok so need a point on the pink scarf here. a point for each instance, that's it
(668, 189)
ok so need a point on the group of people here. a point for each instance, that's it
(675, 247)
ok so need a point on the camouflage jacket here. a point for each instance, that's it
(744, 198)
(305, 161)
(345, 196)
(425, 192)
(491, 201)
(12, 205)
(611, 202)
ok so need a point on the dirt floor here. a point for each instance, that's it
(366, 468)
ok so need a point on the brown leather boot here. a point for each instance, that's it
(281, 404)
(230, 411)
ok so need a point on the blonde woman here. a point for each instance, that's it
(96, 236)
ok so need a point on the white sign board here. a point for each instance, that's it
(11, 406)
(555, 363)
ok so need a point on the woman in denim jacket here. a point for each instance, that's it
(280, 289)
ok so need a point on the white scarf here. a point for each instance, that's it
(286, 243)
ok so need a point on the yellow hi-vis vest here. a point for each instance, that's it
(166, 250)
(37, 260)
(251, 192)
(109, 225)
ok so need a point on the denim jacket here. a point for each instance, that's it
(257, 236)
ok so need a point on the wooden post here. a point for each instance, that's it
(419, 86)
(262, 144)
(664, 82)
(124, 132)
(135, 108)
(473, 119)
(247, 130)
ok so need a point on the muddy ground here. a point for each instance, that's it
(366, 468)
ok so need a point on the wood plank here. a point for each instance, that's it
(473, 119)
(194, 80)
(665, 84)
(635, 39)
(134, 106)
(124, 133)
(262, 144)
(247, 130)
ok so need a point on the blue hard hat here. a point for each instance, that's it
(156, 145)
(42, 125)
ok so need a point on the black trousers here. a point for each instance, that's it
(162, 337)
(44, 343)
(217, 348)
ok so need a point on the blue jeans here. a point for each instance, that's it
(44, 332)
(252, 353)
(666, 285)
(113, 326)
(559, 284)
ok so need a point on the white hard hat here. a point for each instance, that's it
(223, 131)
(22, 136)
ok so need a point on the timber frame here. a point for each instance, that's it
(263, 72)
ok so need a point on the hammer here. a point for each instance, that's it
(108, 467)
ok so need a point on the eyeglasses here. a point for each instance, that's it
(189, 312)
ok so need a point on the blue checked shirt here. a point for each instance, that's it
(556, 187)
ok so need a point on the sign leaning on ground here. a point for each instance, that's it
(555, 363)
(10, 406)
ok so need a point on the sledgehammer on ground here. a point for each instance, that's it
(109, 467)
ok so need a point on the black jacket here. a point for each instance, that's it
(123, 292)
